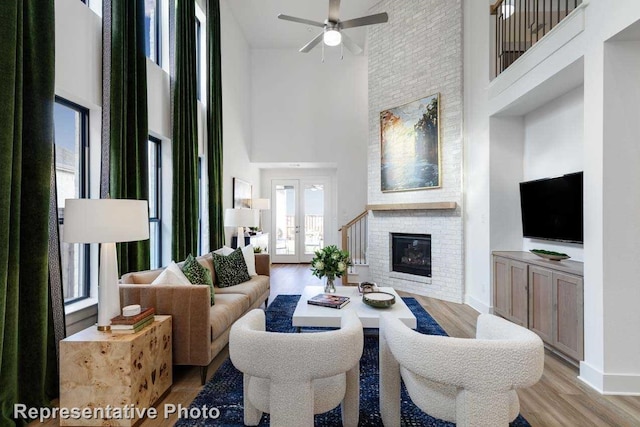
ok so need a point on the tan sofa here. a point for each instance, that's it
(200, 330)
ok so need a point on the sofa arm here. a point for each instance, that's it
(263, 264)
(189, 306)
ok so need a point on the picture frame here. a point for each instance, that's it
(410, 152)
(241, 194)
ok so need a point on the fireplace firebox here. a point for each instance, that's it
(411, 253)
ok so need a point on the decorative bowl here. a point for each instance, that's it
(550, 255)
(379, 299)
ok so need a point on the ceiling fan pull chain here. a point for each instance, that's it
(323, 53)
(341, 51)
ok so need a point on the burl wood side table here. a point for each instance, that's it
(100, 370)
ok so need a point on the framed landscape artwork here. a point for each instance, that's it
(410, 145)
(241, 194)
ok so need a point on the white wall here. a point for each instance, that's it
(553, 146)
(477, 265)
(304, 110)
(611, 364)
(236, 108)
(416, 54)
(621, 205)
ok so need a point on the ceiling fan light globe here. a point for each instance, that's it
(332, 37)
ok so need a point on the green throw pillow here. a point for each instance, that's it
(197, 274)
(231, 269)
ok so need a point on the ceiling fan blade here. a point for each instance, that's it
(313, 43)
(334, 10)
(351, 45)
(378, 18)
(300, 20)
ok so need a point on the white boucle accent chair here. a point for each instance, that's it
(470, 382)
(294, 376)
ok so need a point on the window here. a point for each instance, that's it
(198, 58)
(155, 202)
(152, 30)
(72, 178)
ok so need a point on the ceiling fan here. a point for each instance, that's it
(332, 34)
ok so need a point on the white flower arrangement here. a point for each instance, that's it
(330, 262)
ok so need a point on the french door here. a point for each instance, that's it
(300, 208)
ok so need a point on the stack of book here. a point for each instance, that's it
(329, 300)
(121, 325)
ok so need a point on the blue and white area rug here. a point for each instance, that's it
(224, 390)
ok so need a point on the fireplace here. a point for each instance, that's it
(411, 253)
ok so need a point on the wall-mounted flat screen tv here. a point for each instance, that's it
(552, 208)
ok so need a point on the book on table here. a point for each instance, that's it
(132, 320)
(329, 300)
(131, 329)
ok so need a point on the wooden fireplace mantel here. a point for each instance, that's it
(413, 206)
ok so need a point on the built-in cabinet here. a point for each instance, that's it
(544, 296)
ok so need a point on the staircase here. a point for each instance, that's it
(355, 238)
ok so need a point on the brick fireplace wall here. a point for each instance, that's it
(416, 54)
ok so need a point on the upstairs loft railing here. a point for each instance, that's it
(354, 240)
(519, 24)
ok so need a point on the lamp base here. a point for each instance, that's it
(240, 239)
(108, 293)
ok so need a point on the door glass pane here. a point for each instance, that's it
(285, 212)
(313, 218)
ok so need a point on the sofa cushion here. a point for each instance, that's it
(228, 309)
(254, 288)
(230, 269)
(198, 274)
(172, 275)
(247, 253)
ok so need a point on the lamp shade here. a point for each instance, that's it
(241, 217)
(261, 204)
(105, 220)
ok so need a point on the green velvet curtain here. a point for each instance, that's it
(27, 356)
(128, 120)
(184, 142)
(214, 126)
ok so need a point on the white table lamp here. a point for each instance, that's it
(106, 221)
(261, 205)
(241, 218)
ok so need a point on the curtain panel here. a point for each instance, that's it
(214, 126)
(184, 141)
(27, 346)
(128, 128)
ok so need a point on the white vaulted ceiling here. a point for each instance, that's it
(263, 30)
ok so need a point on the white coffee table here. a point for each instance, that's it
(307, 315)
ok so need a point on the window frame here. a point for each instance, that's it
(158, 200)
(85, 186)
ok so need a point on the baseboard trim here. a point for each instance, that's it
(609, 384)
(477, 305)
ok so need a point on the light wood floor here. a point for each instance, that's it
(558, 399)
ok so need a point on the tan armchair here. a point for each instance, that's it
(200, 331)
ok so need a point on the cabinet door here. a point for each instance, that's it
(501, 287)
(568, 331)
(518, 277)
(541, 302)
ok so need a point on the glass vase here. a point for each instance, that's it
(329, 286)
